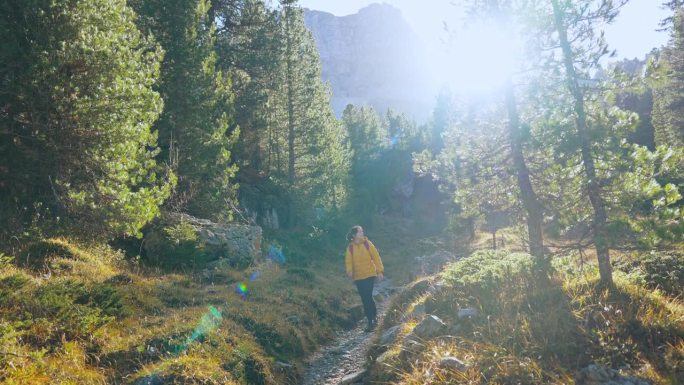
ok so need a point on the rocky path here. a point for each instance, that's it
(342, 362)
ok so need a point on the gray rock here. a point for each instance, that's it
(431, 326)
(429, 374)
(437, 287)
(389, 336)
(293, 319)
(432, 264)
(383, 358)
(410, 347)
(467, 312)
(601, 375)
(279, 365)
(150, 380)
(353, 378)
(231, 244)
(452, 363)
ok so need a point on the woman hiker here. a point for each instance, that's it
(363, 264)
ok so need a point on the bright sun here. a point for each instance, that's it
(478, 59)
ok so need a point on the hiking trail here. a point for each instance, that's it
(344, 360)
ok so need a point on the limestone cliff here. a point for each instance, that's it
(372, 58)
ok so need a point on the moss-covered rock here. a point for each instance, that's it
(181, 240)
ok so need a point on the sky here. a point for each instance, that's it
(633, 34)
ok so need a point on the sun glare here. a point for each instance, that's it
(478, 59)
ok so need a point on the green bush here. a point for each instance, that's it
(174, 246)
(14, 282)
(488, 268)
(657, 270)
(63, 308)
(39, 253)
(301, 275)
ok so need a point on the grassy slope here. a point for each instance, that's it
(93, 318)
(83, 315)
(536, 331)
(86, 316)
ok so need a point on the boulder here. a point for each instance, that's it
(601, 375)
(183, 237)
(430, 327)
(452, 363)
(389, 336)
(410, 347)
(353, 378)
(385, 358)
(467, 312)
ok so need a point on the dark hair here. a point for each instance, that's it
(352, 233)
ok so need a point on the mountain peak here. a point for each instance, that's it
(372, 58)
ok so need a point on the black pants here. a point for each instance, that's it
(365, 287)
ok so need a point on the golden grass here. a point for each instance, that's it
(160, 330)
(543, 333)
(67, 366)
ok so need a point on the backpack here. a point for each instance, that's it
(351, 247)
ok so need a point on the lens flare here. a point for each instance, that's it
(241, 289)
(255, 275)
(208, 323)
(275, 254)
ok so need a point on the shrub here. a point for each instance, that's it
(657, 270)
(65, 308)
(488, 268)
(300, 275)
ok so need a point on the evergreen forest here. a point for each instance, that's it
(176, 193)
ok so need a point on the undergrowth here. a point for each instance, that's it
(533, 327)
(82, 314)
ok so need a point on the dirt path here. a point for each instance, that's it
(346, 355)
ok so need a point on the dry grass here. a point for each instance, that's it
(543, 332)
(161, 324)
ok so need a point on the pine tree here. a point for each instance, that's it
(248, 48)
(441, 120)
(668, 98)
(291, 153)
(311, 127)
(403, 132)
(575, 25)
(76, 107)
(367, 138)
(366, 132)
(196, 128)
(503, 12)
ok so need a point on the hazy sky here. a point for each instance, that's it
(632, 35)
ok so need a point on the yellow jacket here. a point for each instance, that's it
(363, 262)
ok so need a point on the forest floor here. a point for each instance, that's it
(343, 361)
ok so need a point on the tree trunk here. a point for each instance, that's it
(529, 197)
(593, 188)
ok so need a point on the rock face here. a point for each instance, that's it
(372, 58)
(234, 244)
